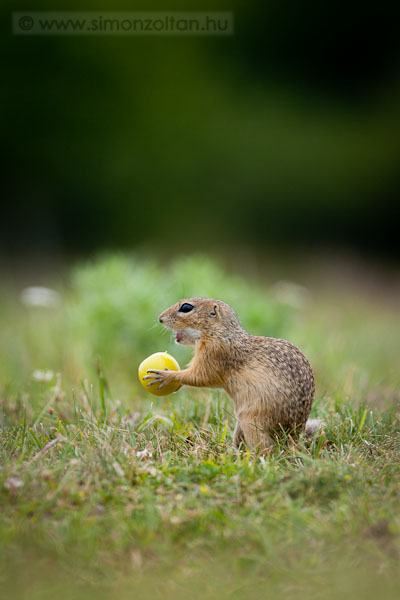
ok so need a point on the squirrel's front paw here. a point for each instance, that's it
(159, 377)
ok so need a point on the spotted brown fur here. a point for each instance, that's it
(270, 380)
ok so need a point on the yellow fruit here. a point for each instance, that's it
(161, 361)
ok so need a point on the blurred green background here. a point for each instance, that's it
(286, 133)
(261, 168)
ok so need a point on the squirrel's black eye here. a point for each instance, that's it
(186, 307)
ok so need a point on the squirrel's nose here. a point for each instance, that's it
(160, 319)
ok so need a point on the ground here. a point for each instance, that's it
(106, 491)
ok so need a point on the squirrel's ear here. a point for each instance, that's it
(214, 312)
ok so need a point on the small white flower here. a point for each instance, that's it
(43, 375)
(13, 484)
(144, 454)
(40, 296)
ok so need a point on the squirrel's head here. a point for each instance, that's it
(196, 318)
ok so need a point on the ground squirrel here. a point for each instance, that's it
(270, 380)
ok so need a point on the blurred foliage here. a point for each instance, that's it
(118, 301)
(285, 132)
(106, 319)
(109, 314)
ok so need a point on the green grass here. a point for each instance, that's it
(106, 491)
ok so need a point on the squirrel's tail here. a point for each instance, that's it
(313, 426)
